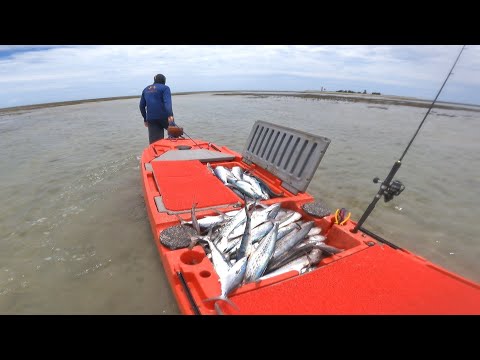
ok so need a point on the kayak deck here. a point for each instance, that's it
(368, 277)
(377, 280)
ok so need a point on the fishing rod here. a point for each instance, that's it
(191, 139)
(390, 188)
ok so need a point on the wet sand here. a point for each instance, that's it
(365, 98)
(333, 96)
(75, 102)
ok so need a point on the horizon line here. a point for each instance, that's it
(319, 93)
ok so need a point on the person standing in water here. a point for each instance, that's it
(156, 108)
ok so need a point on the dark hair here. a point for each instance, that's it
(159, 78)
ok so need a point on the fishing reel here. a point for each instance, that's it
(395, 188)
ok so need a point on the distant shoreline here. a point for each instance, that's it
(76, 102)
(366, 98)
(371, 99)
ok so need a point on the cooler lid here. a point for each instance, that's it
(291, 155)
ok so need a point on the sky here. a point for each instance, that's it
(35, 74)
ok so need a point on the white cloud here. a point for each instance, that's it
(99, 71)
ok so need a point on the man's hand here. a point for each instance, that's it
(170, 119)
(145, 123)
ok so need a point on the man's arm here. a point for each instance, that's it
(142, 106)
(167, 100)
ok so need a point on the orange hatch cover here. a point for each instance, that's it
(378, 280)
(181, 183)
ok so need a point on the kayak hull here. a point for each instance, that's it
(367, 277)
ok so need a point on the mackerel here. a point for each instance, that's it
(237, 172)
(194, 219)
(258, 218)
(222, 173)
(257, 234)
(320, 238)
(294, 253)
(210, 221)
(290, 218)
(267, 189)
(258, 260)
(291, 239)
(244, 187)
(287, 230)
(228, 227)
(230, 280)
(256, 186)
(298, 265)
(315, 231)
(245, 243)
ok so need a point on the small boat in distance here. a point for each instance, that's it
(365, 276)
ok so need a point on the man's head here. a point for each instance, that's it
(159, 78)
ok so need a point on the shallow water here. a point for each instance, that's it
(74, 234)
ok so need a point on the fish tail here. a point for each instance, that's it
(209, 167)
(223, 298)
(193, 241)
(183, 222)
(194, 219)
(220, 213)
(218, 310)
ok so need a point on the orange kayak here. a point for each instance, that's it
(367, 277)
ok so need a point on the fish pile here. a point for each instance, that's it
(243, 183)
(258, 242)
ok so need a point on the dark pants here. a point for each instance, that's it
(155, 132)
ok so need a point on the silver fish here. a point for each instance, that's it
(291, 239)
(294, 253)
(298, 265)
(209, 167)
(220, 263)
(281, 214)
(237, 172)
(290, 218)
(228, 213)
(315, 231)
(244, 187)
(209, 221)
(256, 186)
(257, 234)
(258, 260)
(232, 245)
(218, 310)
(258, 218)
(222, 173)
(194, 219)
(320, 238)
(245, 243)
(331, 250)
(236, 191)
(228, 227)
(230, 280)
(311, 240)
(287, 230)
(267, 189)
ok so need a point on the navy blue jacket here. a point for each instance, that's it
(156, 104)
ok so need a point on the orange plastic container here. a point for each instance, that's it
(365, 272)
